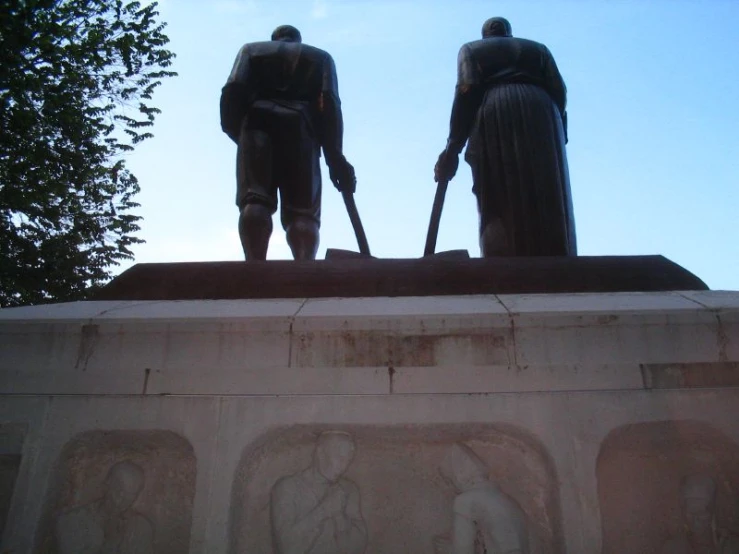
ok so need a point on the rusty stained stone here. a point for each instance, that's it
(690, 375)
(377, 348)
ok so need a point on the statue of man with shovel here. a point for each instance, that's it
(281, 106)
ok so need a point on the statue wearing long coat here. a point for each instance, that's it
(510, 104)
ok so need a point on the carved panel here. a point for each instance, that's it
(404, 499)
(121, 492)
(649, 474)
(12, 436)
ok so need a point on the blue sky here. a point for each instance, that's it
(653, 113)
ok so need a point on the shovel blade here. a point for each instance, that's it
(450, 255)
(339, 254)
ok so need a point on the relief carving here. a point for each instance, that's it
(317, 511)
(668, 487)
(701, 535)
(297, 490)
(485, 519)
(109, 525)
(120, 492)
(12, 437)
(9, 466)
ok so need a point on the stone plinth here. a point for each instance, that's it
(587, 410)
(444, 274)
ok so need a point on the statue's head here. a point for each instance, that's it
(496, 27)
(463, 468)
(699, 495)
(123, 485)
(334, 452)
(286, 33)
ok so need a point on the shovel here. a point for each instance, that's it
(364, 250)
(433, 232)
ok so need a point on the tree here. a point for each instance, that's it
(76, 79)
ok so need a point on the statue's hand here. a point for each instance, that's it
(446, 166)
(334, 502)
(342, 174)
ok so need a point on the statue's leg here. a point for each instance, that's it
(257, 193)
(493, 240)
(493, 235)
(303, 237)
(255, 228)
(299, 176)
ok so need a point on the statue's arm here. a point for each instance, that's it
(331, 124)
(331, 130)
(354, 538)
(463, 533)
(236, 96)
(556, 87)
(138, 537)
(293, 532)
(467, 98)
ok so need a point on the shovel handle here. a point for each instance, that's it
(433, 231)
(351, 209)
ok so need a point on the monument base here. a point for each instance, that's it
(588, 411)
(433, 276)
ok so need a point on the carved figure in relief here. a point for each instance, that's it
(485, 518)
(701, 535)
(109, 525)
(317, 511)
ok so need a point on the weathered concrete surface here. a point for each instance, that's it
(576, 385)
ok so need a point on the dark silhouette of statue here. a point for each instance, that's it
(510, 104)
(281, 106)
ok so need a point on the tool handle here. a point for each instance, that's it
(351, 208)
(433, 231)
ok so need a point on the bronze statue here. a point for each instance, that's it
(281, 106)
(510, 104)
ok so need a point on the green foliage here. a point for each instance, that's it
(76, 79)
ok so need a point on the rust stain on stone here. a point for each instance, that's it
(606, 319)
(147, 374)
(690, 375)
(723, 340)
(373, 349)
(88, 340)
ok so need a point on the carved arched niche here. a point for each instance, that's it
(641, 470)
(12, 437)
(160, 466)
(405, 501)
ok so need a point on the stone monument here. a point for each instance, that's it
(326, 424)
(527, 405)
